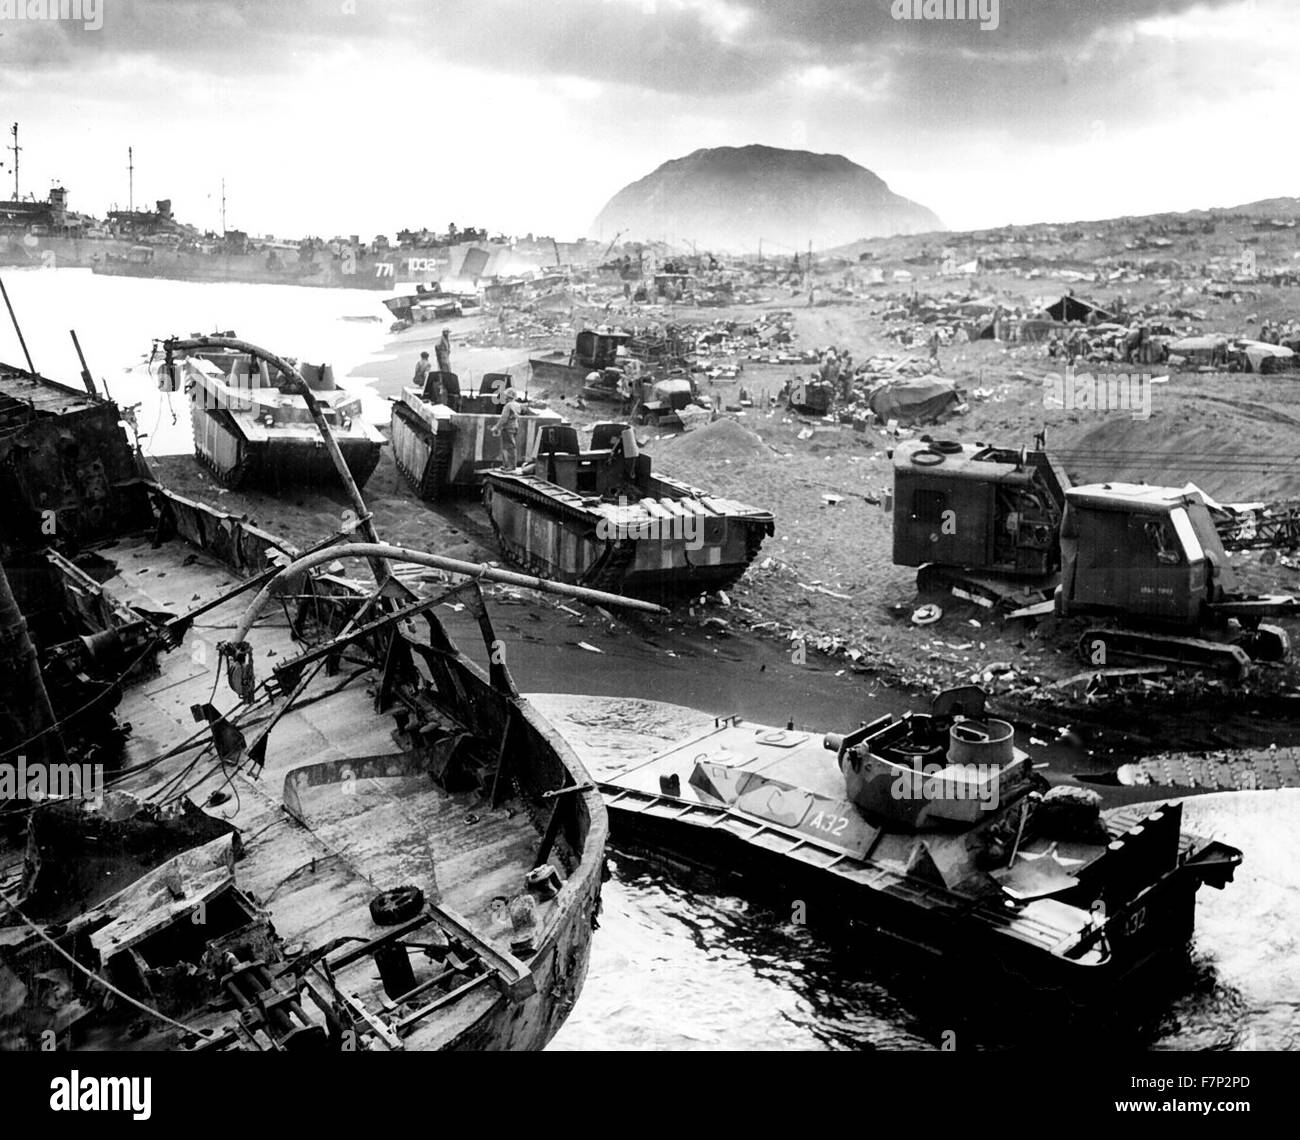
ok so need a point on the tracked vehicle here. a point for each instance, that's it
(594, 350)
(602, 516)
(932, 832)
(1006, 526)
(1151, 558)
(441, 449)
(253, 423)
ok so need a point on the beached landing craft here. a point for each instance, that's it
(376, 845)
(252, 420)
(440, 449)
(934, 831)
(602, 518)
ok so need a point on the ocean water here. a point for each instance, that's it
(677, 969)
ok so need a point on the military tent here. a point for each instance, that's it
(916, 400)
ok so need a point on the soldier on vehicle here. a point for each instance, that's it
(507, 427)
(422, 370)
(427, 380)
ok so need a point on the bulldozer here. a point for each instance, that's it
(1151, 556)
(1004, 526)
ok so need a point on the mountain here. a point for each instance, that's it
(727, 198)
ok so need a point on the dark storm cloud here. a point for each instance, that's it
(1046, 26)
(686, 47)
(670, 49)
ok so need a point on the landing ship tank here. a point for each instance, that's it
(440, 448)
(250, 423)
(601, 516)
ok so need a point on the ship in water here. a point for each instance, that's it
(47, 234)
(249, 801)
(346, 267)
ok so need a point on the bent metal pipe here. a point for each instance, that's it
(439, 562)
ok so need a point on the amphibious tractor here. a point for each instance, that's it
(252, 420)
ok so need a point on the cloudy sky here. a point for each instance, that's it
(365, 116)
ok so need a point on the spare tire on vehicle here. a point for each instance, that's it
(398, 905)
(927, 457)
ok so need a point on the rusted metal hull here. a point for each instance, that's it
(930, 939)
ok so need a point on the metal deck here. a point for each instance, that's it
(808, 819)
(382, 832)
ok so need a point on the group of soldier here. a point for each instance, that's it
(1274, 332)
(837, 371)
(443, 387)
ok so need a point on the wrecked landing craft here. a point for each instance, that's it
(376, 846)
(602, 518)
(256, 417)
(933, 832)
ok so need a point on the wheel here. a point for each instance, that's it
(401, 903)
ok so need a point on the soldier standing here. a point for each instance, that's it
(428, 384)
(422, 370)
(507, 427)
(443, 351)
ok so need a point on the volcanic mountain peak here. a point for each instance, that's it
(733, 197)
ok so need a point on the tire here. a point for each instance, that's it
(927, 457)
(396, 906)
